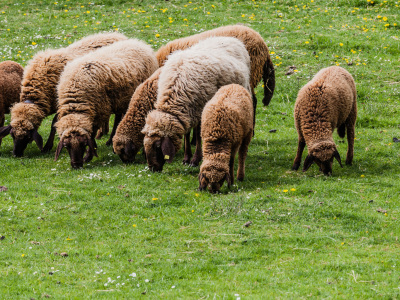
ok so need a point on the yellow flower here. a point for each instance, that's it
(362, 176)
(306, 42)
(342, 243)
(208, 13)
(285, 191)
(192, 210)
(384, 19)
(134, 225)
(22, 255)
(33, 43)
(154, 199)
(272, 53)
(293, 190)
(196, 195)
(340, 44)
(387, 25)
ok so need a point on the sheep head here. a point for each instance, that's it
(163, 139)
(125, 148)
(75, 137)
(322, 153)
(212, 176)
(25, 119)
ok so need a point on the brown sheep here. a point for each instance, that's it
(10, 88)
(95, 86)
(327, 102)
(128, 139)
(261, 64)
(189, 79)
(39, 96)
(227, 128)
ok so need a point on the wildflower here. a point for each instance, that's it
(132, 275)
(33, 43)
(293, 190)
(285, 191)
(22, 255)
(384, 19)
(134, 225)
(306, 42)
(362, 176)
(154, 199)
(340, 44)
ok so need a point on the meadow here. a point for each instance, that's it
(119, 231)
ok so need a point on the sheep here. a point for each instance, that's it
(187, 81)
(10, 88)
(226, 129)
(93, 87)
(261, 64)
(327, 102)
(128, 138)
(38, 97)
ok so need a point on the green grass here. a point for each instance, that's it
(311, 235)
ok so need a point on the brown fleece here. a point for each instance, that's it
(42, 74)
(131, 126)
(101, 83)
(10, 86)
(261, 62)
(227, 127)
(327, 102)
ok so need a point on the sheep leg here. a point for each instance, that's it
(188, 149)
(50, 140)
(254, 111)
(350, 126)
(242, 156)
(300, 148)
(89, 155)
(231, 166)
(2, 119)
(193, 142)
(198, 154)
(103, 130)
(117, 119)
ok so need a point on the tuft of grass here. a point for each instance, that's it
(130, 232)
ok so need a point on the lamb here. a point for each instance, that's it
(188, 80)
(226, 129)
(10, 88)
(95, 86)
(128, 138)
(261, 64)
(327, 102)
(39, 96)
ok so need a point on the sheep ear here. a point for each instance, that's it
(201, 187)
(337, 156)
(92, 146)
(59, 148)
(5, 131)
(308, 162)
(228, 179)
(38, 139)
(168, 149)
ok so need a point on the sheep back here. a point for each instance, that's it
(324, 104)
(102, 82)
(254, 43)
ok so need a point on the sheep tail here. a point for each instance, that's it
(269, 81)
(342, 130)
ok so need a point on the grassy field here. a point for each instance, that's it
(130, 233)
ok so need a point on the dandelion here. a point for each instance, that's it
(341, 44)
(306, 42)
(387, 25)
(342, 243)
(293, 190)
(362, 176)
(134, 225)
(285, 191)
(192, 210)
(33, 43)
(196, 195)
(22, 255)
(154, 199)
(384, 19)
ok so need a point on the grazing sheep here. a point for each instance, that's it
(10, 88)
(128, 138)
(227, 128)
(327, 102)
(187, 81)
(39, 95)
(261, 64)
(95, 86)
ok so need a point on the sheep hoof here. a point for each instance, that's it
(185, 161)
(295, 167)
(47, 149)
(240, 178)
(109, 142)
(349, 163)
